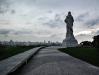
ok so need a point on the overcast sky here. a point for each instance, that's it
(39, 20)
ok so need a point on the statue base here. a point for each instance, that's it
(70, 41)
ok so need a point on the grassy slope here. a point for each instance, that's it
(90, 55)
(6, 51)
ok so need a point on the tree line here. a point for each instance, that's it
(94, 43)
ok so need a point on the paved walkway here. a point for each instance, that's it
(49, 61)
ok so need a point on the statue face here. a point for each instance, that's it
(69, 13)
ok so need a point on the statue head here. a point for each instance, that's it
(69, 13)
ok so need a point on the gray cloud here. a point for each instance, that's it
(82, 17)
(21, 32)
(87, 20)
(63, 4)
(56, 22)
(84, 37)
(43, 32)
(14, 32)
(96, 33)
(93, 22)
(5, 31)
(13, 11)
(4, 6)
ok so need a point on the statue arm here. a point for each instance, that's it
(72, 19)
(65, 19)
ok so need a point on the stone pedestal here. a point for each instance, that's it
(70, 41)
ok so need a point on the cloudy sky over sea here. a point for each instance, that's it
(39, 20)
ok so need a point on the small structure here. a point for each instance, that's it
(69, 40)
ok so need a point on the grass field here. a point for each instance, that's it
(7, 51)
(91, 55)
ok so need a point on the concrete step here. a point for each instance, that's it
(13, 63)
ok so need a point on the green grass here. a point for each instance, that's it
(7, 51)
(91, 55)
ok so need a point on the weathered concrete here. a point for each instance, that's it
(50, 61)
(12, 63)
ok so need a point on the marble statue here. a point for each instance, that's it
(70, 40)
